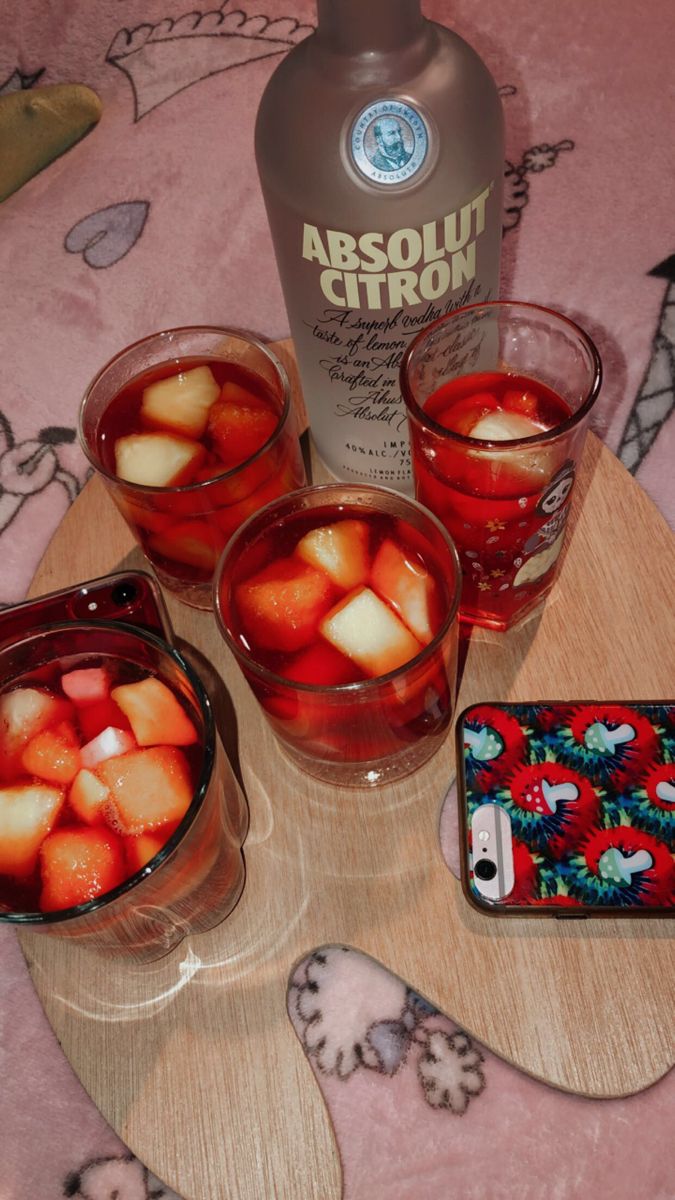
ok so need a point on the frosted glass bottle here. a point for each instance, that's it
(379, 145)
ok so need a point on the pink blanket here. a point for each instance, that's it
(155, 219)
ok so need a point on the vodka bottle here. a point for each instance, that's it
(379, 145)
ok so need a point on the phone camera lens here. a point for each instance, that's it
(124, 594)
(485, 869)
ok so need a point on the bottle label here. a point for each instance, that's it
(389, 142)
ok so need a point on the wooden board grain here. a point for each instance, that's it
(194, 1061)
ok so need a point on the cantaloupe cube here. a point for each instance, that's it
(25, 712)
(238, 432)
(53, 754)
(340, 549)
(27, 814)
(365, 629)
(157, 459)
(156, 717)
(148, 788)
(88, 796)
(78, 865)
(110, 743)
(407, 586)
(282, 605)
(140, 850)
(181, 402)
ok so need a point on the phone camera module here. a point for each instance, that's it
(485, 869)
(124, 594)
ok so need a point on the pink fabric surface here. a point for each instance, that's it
(155, 219)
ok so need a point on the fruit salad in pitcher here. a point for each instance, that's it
(98, 767)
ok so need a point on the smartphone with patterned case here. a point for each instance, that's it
(568, 809)
(130, 596)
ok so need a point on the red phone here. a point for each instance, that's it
(130, 596)
(568, 810)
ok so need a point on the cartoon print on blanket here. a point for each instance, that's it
(164, 59)
(350, 1014)
(119, 1176)
(105, 236)
(18, 81)
(30, 466)
(655, 400)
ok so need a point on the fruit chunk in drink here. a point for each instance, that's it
(99, 763)
(505, 501)
(213, 429)
(334, 613)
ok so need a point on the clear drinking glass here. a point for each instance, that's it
(196, 878)
(183, 529)
(498, 398)
(361, 731)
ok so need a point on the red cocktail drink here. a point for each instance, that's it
(495, 449)
(119, 823)
(192, 431)
(339, 604)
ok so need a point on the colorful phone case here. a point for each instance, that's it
(589, 789)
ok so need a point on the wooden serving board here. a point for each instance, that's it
(194, 1061)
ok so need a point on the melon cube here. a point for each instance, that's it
(282, 605)
(196, 543)
(521, 400)
(238, 432)
(27, 814)
(235, 393)
(157, 459)
(78, 865)
(156, 717)
(87, 685)
(366, 630)
(323, 665)
(407, 586)
(110, 743)
(88, 796)
(53, 754)
(181, 403)
(24, 713)
(341, 550)
(148, 788)
(500, 426)
(140, 850)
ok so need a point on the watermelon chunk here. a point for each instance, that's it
(110, 743)
(238, 432)
(157, 459)
(156, 717)
(282, 605)
(366, 630)
(407, 586)
(78, 865)
(236, 393)
(181, 402)
(53, 754)
(86, 685)
(27, 814)
(340, 549)
(148, 788)
(94, 718)
(323, 665)
(88, 797)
